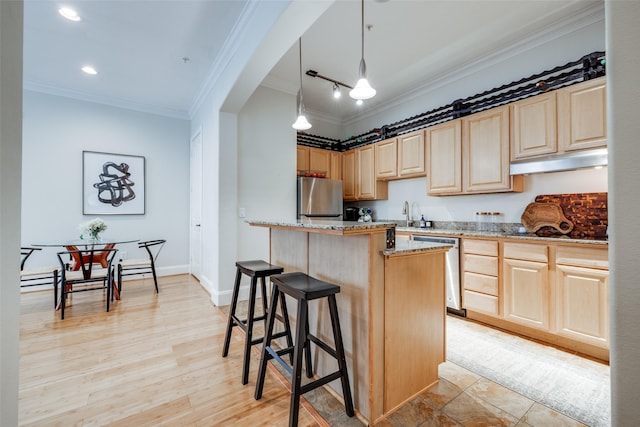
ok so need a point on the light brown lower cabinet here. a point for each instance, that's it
(553, 292)
(526, 284)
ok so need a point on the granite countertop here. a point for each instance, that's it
(319, 224)
(500, 234)
(404, 247)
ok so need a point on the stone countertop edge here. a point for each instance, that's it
(405, 247)
(498, 234)
(323, 224)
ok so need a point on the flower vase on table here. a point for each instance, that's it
(92, 229)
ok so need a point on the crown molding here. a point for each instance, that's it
(113, 102)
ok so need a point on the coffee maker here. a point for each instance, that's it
(351, 214)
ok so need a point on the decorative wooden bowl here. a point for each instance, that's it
(537, 215)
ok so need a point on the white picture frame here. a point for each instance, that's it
(112, 184)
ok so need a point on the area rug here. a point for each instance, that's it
(571, 385)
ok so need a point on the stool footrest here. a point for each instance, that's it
(274, 336)
(275, 355)
(323, 346)
(320, 382)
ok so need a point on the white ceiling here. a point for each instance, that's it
(138, 46)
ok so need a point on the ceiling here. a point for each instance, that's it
(139, 47)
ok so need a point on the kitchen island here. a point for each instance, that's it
(391, 305)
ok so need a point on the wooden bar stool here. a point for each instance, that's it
(304, 289)
(254, 269)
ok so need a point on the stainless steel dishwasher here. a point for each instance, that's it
(452, 273)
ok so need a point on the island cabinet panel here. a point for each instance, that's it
(414, 317)
(582, 115)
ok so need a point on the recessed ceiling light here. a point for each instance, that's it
(89, 70)
(69, 13)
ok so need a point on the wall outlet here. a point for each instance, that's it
(242, 212)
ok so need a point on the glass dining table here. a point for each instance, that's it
(101, 258)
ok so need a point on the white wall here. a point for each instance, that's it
(56, 130)
(463, 208)
(623, 93)
(11, 14)
(266, 169)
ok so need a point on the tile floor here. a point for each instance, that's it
(460, 398)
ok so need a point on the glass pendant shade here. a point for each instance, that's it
(301, 122)
(362, 89)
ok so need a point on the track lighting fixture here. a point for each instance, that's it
(336, 91)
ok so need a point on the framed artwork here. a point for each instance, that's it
(112, 184)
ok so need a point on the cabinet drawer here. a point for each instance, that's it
(481, 283)
(480, 247)
(526, 251)
(481, 264)
(481, 302)
(582, 257)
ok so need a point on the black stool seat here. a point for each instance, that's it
(304, 288)
(254, 269)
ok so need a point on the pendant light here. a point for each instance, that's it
(363, 89)
(301, 123)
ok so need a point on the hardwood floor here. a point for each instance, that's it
(152, 360)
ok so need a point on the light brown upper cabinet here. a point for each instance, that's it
(358, 175)
(582, 115)
(444, 158)
(401, 157)
(329, 163)
(471, 155)
(485, 152)
(411, 155)
(336, 165)
(533, 126)
(387, 159)
(349, 160)
(367, 187)
(302, 155)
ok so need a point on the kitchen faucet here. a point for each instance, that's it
(405, 211)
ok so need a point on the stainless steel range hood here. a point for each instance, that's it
(560, 162)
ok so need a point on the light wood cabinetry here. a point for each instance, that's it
(386, 159)
(401, 157)
(444, 158)
(411, 162)
(533, 126)
(526, 284)
(349, 175)
(582, 297)
(358, 175)
(485, 152)
(327, 162)
(471, 155)
(335, 172)
(582, 118)
(302, 156)
(480, 274)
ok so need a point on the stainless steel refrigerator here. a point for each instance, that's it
(319, 198)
